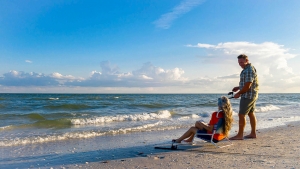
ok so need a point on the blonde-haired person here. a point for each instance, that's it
(224, 111)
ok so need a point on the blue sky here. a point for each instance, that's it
(134, 46)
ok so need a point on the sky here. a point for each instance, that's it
(147, 46)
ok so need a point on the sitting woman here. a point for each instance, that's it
(225, 112)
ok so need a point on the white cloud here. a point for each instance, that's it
(235, 76)
(165, 21)
(57, 75)
(147, 76)
(28, 61)
(159, 74)
(20, 78)
(270, 60)
(201, 45)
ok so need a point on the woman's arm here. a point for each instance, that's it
(201, 125)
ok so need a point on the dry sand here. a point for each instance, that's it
(277, 147)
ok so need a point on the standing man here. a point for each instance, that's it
(248, 91)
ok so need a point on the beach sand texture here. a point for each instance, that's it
(277, 147)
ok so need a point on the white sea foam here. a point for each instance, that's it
(266, 108)
(81, 135)
(273, 122)
(195, 116)
(234, 113)
(51, 98)
(184, 118)
(189, 117)
(135, 117)
(6, 127)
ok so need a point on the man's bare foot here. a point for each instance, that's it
(250, 136)
(237, 138)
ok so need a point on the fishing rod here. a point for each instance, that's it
(230, 93)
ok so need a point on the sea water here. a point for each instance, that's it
(29, 120)
(38, 118)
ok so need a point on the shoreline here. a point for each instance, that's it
(274, 148)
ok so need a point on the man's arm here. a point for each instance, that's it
(244, 89)
(235, 89)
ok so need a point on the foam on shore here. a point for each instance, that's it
(134, 117)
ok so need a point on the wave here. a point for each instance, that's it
(57, 124)
(83, 135)
(9, 127)
(68, 106)
(211, 104)
(39, 121)
(157, 126)
(35, 116)
(44, 98)
(135, 117)
(266, 108)
(153, 105)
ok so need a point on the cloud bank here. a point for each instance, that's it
(270, 59)
(147, 76)
(166, 20)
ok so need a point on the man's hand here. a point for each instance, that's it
(243, 90)
(237, 95)
(235, 89)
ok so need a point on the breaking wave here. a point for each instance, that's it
(266, 108)
(134, 117)
(82, 135)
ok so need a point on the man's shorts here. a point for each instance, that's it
(247, 105)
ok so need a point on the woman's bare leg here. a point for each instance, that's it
(199, 127)
(188, 134)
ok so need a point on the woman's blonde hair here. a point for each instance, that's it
(225, 106)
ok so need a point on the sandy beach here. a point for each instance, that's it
(274, 148)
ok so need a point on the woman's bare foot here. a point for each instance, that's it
(187, 141)
(176, 141)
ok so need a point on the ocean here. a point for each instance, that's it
(62, 123)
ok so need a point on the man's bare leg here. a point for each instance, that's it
(242, 124)
(252, 118)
